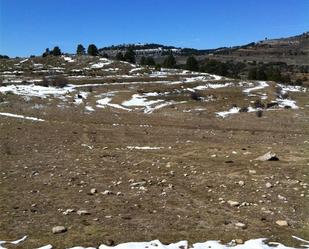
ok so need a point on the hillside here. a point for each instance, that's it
(96, 151)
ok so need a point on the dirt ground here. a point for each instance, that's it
(176, 191)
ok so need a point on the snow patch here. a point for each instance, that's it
(233, 110)
(144, 148)
(20, 116)
(261, 85)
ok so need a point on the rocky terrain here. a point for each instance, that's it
(96, 151)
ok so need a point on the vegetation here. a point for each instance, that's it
(129, 56)
(92, 50)
(170, 61)
(56, 51)
(119, 56)
(192, 64)
(80, 50)
(4, 57)
(147, 61)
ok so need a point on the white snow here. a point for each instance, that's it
(156, 244)
(20, 116)
(261, 85)
(16, 242)
(23, 61)
(89, 108)
(68, 59)
(103, 62)
(140, 100)
(212, 86)
(46, 247)
(35, 90)
(102, 103)
(144, 148)
(289, 88)
(233, 110)
(287, 102)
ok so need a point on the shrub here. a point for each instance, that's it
(195, 96)
(56, 81)
(192, 64)
(244, 109)
(59, 81)
(258, 104)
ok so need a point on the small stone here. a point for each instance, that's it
(83, 212)
(233, 203)
(241, 183)
(110, 242)
(239, 241)
(269, 156)
(252, 171)
(59, 229)
(93, 191)
(241, 225)
(268, 185)
(282, 223)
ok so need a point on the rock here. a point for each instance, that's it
(269, 156)
(83, 212)
(252, 171)
(282, 223)
(239, 241)
(110, 242)
(59, 229)
(241, 225)
(107, 192)
(93, 191)
(241, 183)
(268, 185)
(233, 203)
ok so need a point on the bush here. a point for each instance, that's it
(170, 61)
(195, 96)
(244, 109)
(258, 104)
(192, 64)
(56, 81)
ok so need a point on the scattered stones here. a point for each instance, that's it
(68, 211)
(241, 225)
(282, 223)
(59, 229)
(233, 203)
(107, 192)
(269, 156)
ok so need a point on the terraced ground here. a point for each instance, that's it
(128, 153)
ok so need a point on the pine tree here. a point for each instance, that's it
(92, 50)
(56, 51)
(150, 61)
(169, 61)
(46, 53)
(119, 56)
(192, 64)
(129, 56)
(143, 61)
(80, 50)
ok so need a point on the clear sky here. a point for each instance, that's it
(29, 26)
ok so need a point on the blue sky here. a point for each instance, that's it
(29, 26)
